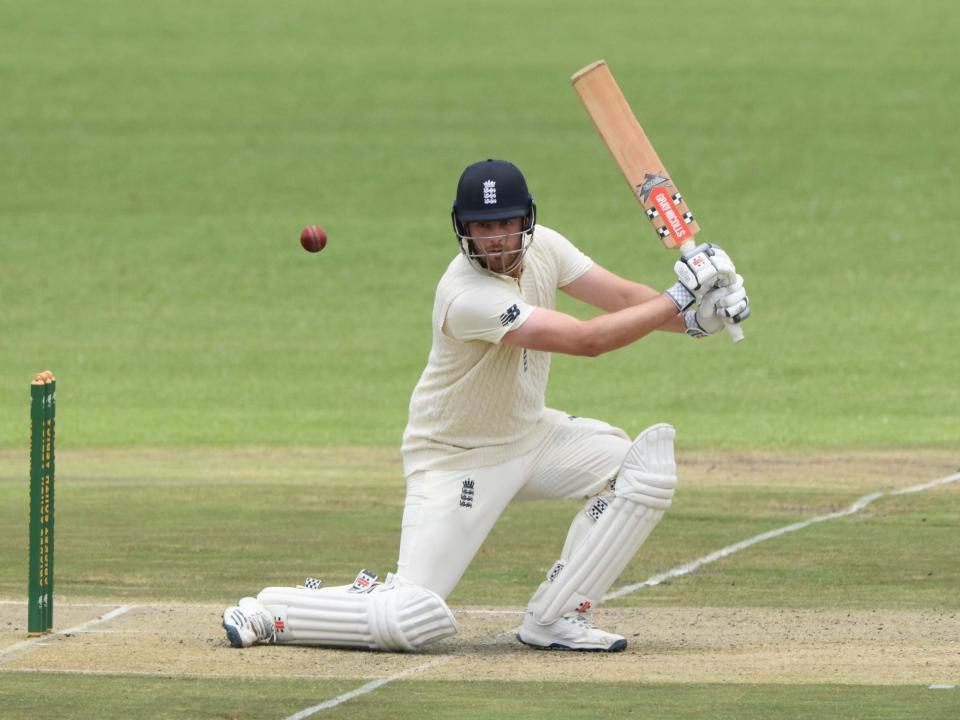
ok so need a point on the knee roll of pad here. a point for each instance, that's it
(408, 617)
(648, 474)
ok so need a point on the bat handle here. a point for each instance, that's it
(733, 329)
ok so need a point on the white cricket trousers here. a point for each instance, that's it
(448, 514)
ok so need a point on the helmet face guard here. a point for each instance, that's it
(481, 259)
(488, 191)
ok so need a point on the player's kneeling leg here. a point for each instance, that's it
(393, 615)
(643, 490)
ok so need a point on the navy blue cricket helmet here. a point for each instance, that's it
(492, 190)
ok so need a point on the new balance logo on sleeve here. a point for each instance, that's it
(512, 313)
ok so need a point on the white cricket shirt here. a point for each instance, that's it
(479, 402)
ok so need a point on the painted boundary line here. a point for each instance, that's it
(856, 507)
(20, 648)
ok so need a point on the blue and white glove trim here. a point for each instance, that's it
(681, 296)
(693, 327)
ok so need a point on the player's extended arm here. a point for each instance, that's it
(553, 331)
(606, 290)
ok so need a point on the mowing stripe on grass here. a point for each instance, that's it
(20, 648)
(856, 507)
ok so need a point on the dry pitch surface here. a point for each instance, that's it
(685, 645)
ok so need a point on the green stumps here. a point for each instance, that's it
(43, 410)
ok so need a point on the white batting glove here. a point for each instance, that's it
(735, 304)
(704, 268)
(718, 307)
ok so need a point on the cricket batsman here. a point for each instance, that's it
(480, 436)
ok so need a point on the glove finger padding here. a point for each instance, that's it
(743, 315)
(734, 301)
(732, 298)
(735, 293)
(733, 312)
(733, 304)
(726, 271)
(736, 283)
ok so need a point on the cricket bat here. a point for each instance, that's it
(645, 174)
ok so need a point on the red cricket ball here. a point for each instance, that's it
(313, 238)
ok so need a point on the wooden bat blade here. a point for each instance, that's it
(638, 161)
(634, 154)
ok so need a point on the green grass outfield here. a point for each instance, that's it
(169, 698)
(220, 389)
(159, 160)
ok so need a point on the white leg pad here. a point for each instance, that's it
(393, 616)
(643, 490)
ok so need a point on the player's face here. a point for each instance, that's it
(499, 241)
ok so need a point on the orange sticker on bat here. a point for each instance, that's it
(673, 221)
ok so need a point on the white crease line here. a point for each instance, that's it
(364, 689)
(926, 486)
(26, 646)
(125, 633)
(736, 547)
(857, 506)
(143, 673)
(380, 682)
(61, 604)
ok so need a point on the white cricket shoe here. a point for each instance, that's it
(571, 632)
(247, 623)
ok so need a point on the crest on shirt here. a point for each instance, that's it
(466, 494)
